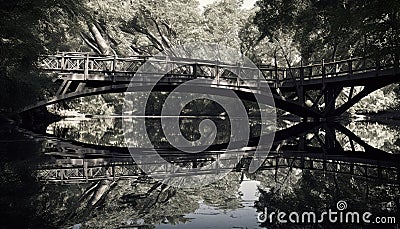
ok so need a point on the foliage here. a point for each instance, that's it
(383, 137)
(334, 29)
(145, 27)
(29, 28)
(319, 191)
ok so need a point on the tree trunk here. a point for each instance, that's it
(102, 44)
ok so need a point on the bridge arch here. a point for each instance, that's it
(243, 93)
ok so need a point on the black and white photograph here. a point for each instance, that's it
(173, 114)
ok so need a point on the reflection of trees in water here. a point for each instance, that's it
(96, 131)
(108, 204)
(109, 131)
(380, 136)
(302, 191)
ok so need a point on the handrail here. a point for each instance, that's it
(76, 61)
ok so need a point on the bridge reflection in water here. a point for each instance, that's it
(305, 146)
(310, 167)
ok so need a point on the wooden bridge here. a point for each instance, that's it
(87, 170)
(299, 90)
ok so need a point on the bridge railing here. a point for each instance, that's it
(84, 170)
(346, 67)
(78, 62)
(86, 64)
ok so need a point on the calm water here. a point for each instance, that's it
(77, 174)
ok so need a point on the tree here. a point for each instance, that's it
(143, 27)
(28, 29)
(334, 29)
(222, 22)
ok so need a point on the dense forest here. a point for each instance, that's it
(282, 32)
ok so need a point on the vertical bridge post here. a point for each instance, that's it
(276, 74)
(238, 74)
(62, 61)
(216, 71)
(350, 63)
(86, 68)
(113, 67)
(301, 89)
(323, 73)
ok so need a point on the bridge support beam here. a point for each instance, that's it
(330, 96)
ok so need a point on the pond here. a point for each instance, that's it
(78, 173)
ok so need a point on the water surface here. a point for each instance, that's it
(78, 173)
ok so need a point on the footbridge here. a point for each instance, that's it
(306, 90)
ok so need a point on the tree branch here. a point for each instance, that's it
(165, 41)
(90, 44)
